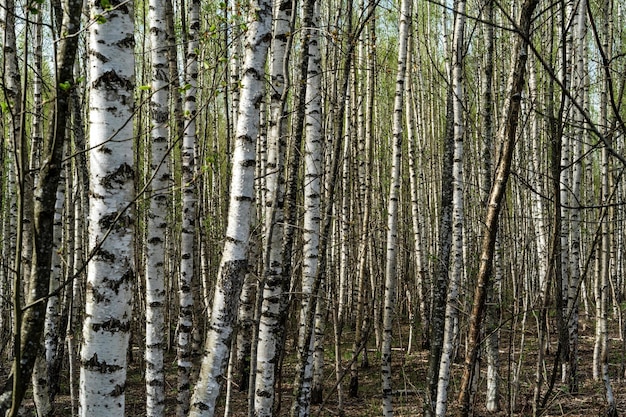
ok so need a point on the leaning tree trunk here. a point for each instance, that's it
(507, 135)
(234, 262)
(487, 112)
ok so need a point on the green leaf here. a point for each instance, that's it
(184, 88)
(144, 87)
(100, 19)
(65, 85)
(105, 4)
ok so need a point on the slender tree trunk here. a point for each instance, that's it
(413, 118)
(41, 395)
(233, 264)
(158, 189)
(452, 301)
(312, 195)
(12, 93)
(392, 210)
(32, 321)
(440, 285)
(487, 112)
(312, 271)
(187, 271)
(270, 329)
(507, 135)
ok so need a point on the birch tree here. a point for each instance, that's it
(187, 271)
(487, 113)
(30, 324)
(270, 323)
(234, 257)
(507, 136)
(312, 187)
(451, 315)
(159, 182)
(392, 210)
(10, 397)
(110, 273)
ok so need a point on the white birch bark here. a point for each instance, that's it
(81, 206)
(312, 190)
(11, 96)
(451, 316)
(40, 371)
(110, 274)
(494, 299)
(234, 258)
(392, 220)
(537, 205)
(270, 316)
(602, 261)
(413, 120)
(188, 212)
(307, 109)
(602, 336)
(579, 86)
(158, 183)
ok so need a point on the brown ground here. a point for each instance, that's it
(409, 380)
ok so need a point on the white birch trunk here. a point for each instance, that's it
(392, 220)
(234, 258)
(11, 96)
(573, 298)
(312, 202)
(269, 333)
(451, 317)
(40, 371)
(158, 187)
(537, 206)
(494, 298)
(416, 217)
(269, 324)
(188, 212)
(110, 274)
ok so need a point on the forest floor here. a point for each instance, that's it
(409, 378)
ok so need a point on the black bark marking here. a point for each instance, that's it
(118, 390)
(122, 174)
(98, 55)
(111, 326)
(93, 364)
(115, 222)
(111, 81)
(104, 255)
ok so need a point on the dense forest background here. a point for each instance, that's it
(319, 207)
